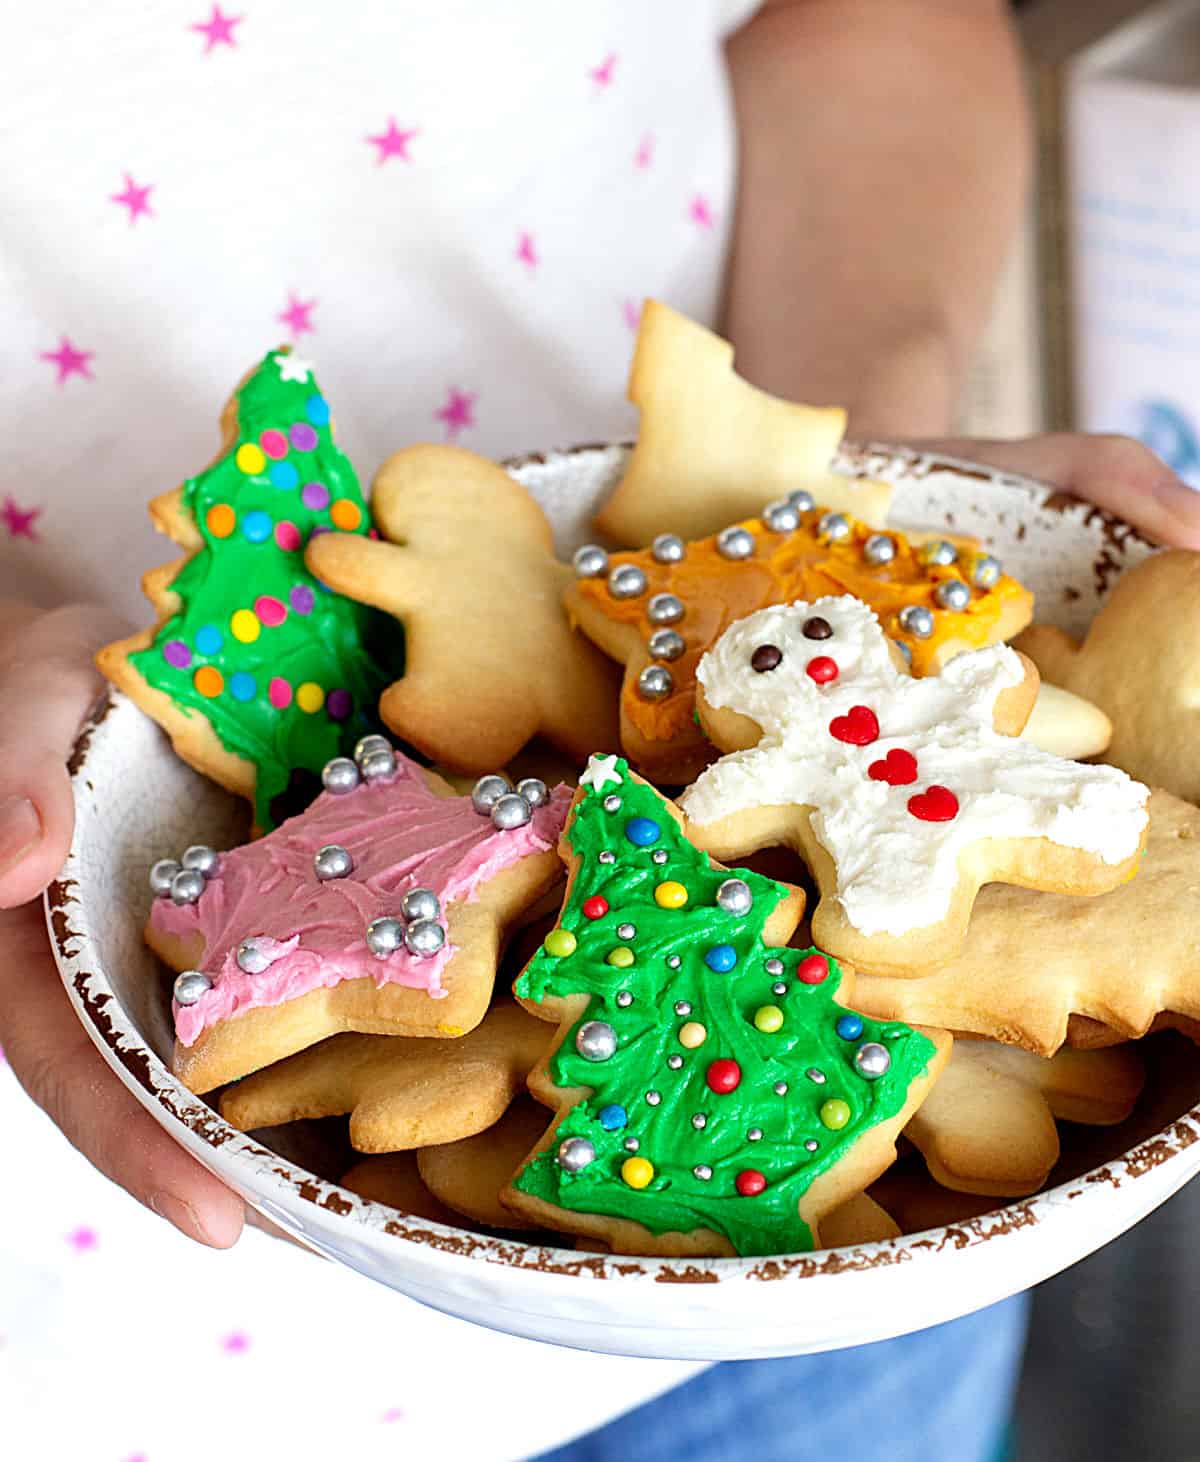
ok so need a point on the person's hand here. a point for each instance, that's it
(47, 684)
(1116, 473)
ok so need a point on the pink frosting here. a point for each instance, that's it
(400, 836)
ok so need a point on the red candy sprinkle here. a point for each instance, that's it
(596, 907)
(812, 969)
(750, 1182)
(822, 669)
(859, 726)
(935, 804)
(898, 768)
(723, 1076)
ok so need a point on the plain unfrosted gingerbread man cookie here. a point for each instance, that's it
(467, 565)
(905, 796)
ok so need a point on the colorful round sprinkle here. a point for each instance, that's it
(309, 696)
(338, 705)
(209, 639)
(287, 535)
(250, 459)
(559, 943)
(822, 669)
(209, 681)
(750, 1182)
(637, 1172)
(723, 1076)
(244, 626)
(835, 1113)
(613, 1117)
(315, 495)
(596, 907)
(279, 693)
(176, 653)
(283, 476)
(768, 1019)
(670, 895)
(621, 957)
(692, 1034)
(849, 1026)
(256, 526)
(642, 832)
(721, 958)
(270, 610)
(274, 444)
(302, 437)
(812, 969)
(345, 514)
(302, 599)
(221, 520)
(242, 685)
(316, 408)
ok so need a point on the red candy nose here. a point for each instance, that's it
(859, 726)
(898, 768)
(822, 669)
(935, 804)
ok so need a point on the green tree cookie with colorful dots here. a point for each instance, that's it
(713, 1097)
(261, 674)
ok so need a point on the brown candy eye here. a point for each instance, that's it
(817, 628)
(766, 657)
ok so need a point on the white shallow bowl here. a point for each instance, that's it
(136, 802)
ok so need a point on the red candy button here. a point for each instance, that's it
(935, 804)
(822, 669)
(898, 768)
(812, 969)
(723, 1076)
(858, 726)
(750, 1182)
(596, 907)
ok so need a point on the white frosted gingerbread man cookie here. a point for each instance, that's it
(904, 796)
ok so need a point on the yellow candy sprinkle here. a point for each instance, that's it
(835, 1113)
(245, 626)
(309, 696)
(209, 681)
(692, 1034)
(250, 459)
(622, 957)
(345, 514)
(768, 1019)
(637, 1172)
(221, 520)
(559, 943)
(670, 895)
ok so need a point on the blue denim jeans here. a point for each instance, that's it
(941, 1393)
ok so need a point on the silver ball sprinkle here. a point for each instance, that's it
(365, 745)
(986, 572)
(626, 581)
(612, 803)
(575, 1153)
(384, 936)
(673, 961)
(699, 1121)
(606, 857)
(187, 886)
(624, 999)
(879, 549)
(754, 1134)
(162, 875)
(332, 861)
(666, 644)
(510, 811)
(655, 683)
(702, 1171)
(811, 1145)
(781, 1088)
(590, 561)
(779, 988)
(339, 776)
(424, 938)
(773, 966)
(631, 1144)
(872, 1060)
(668, 548)
(952, 594)
(683, 1007)
(653, 1098)
(378, 764)
(251, 958)
(833, 527)
(905, 650)
(534, 791)
(660, 855)
(596, 1040)
(916, 620)
(420, 903)
(801, 500)
(938, 552)
(664, 609)
(815, 1076)
(203, 859)
(735, 543)
(781, 517)
(734, 896)
(190, 986)
(626, 931)
(675, 1061)
(487, 791)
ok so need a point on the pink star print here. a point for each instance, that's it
(458, 412)
(296, 316)
(644, 156)
(526, 252)
(602, 75)
(235, 1343)
(393, 143)
(19, 522)
(70, 361)
(136, 199)
(632, 310)
(218, 29)
(82, 1239)
(700, 212)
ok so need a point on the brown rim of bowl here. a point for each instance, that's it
(120, 1043)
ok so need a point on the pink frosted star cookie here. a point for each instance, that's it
(380, 909)
(905, 796)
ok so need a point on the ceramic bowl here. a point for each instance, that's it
(136, 802)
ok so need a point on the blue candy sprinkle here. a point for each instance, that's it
(257, 526)
(849, 1027)
(317, 410)
(721, 957)
(209, 639)
(242, 685)
(613, 1117)
(642, 831)
(283, 476)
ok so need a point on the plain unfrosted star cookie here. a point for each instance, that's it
(1140, 663)
(904, 796)
(467, 565)
(712, 448)
(381, 910)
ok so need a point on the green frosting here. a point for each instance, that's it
(806, 1055)
(299, 669)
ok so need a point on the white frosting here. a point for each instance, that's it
(896, 873)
